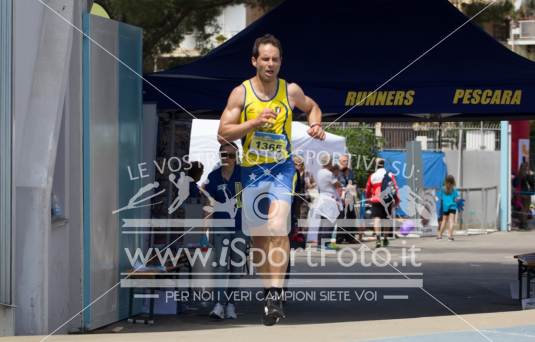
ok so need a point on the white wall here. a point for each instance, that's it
(7, 321)
(28, 16)
(65, 257)
(47, 140)
(479, 169)
(30, 289)
(231, 21)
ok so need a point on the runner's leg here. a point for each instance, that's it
(237, 262)
(259, 255)
(279, 247)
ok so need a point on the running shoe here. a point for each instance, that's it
(273, 311)
(230, 311)
(218, 312)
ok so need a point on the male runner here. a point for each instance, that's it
(383, 199)
(259, 112)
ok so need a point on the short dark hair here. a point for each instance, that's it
(231, 143)
(196, 170)
(380, 163)
(266, 39)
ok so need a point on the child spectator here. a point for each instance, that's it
(448, 197)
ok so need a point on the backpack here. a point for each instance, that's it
(388, 189)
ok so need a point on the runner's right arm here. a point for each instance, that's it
(397, 199)
(230, 128)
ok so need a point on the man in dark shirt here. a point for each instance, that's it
(220, 189)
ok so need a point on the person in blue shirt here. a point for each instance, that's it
(448, 198)
(222, 191)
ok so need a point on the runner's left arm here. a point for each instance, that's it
(310, 107)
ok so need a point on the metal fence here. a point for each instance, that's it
(481, 210)
(481, 135)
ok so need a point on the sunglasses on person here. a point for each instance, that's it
(227, 155)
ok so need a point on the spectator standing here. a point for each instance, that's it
(526, 183)
(223, 201)
(382, 193)
(448, 197)
(327, 203)
(348, 195)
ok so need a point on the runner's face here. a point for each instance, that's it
(268, 62)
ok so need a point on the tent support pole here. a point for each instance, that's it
(505, 178)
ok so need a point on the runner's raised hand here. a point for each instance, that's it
(265, 118)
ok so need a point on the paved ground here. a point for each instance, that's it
(470, 276)
(497, 327)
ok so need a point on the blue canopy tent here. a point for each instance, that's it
(341, 51)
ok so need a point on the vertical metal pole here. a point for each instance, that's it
(505, 177)
(439, 136)
(459, 217)
(6, 119)
(481, 136)
(482, 218)
(460, 156)
(485, 199)
(460, 168)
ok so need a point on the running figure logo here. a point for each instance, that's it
(229, 206)
(183, 190)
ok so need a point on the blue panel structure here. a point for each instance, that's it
(112, 126)
(130, 134)
(6, 236)
(435, 169)
(504, 176)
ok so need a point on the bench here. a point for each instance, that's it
(149, 272)
(526, 266)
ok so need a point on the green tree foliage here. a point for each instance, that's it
(498, 12)
(527, 10)
(363, 146)
(494, 19)
(165, 23)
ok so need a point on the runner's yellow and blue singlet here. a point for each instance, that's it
(272, 143)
